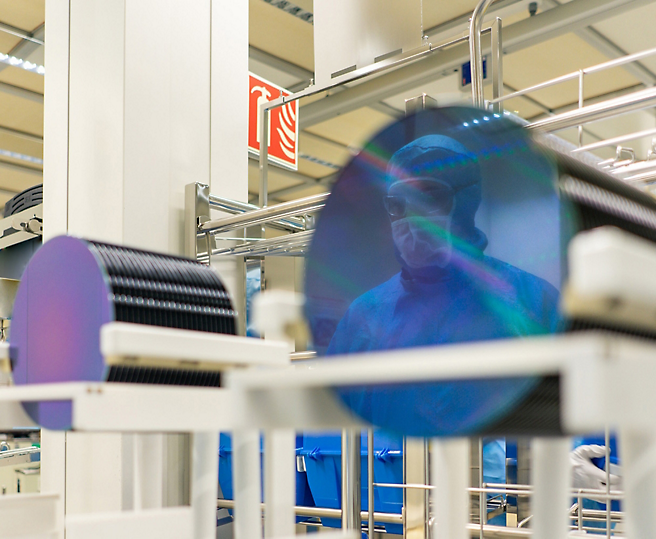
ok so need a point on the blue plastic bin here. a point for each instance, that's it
(303, 494)
(323, 463)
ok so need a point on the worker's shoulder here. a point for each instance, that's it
(521, 280)
(378, 296)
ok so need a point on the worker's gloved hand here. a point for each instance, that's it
(586, 474)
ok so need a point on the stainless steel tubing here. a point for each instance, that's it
(351, 493)
(599, 111)
(370, 483)
(293, 224)
(303, 356)
(265, 215)
(615, 140)
(319, 512)
(289, 244)
(476, 62)
(500, 532)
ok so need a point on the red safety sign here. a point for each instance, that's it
(283, 123)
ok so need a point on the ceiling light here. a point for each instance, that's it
(23, 64)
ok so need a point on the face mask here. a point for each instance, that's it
(423, 241)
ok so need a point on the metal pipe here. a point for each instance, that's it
(539, 86)
(290, 244)
(608, 503)
(293, 224)
(500, 532)
(632, 166)
(322, 512)
(614, 141)
(476, 61)
(370, 483)
(599, 111)
(303, 356)
(351, 514)
(497, 64)
(620, 61)
(482, 497)
(575, 74)
(265, 214)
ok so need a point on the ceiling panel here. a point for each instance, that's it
(17, 181)
(281, 34)
(24, 14)
(22, 114)
(312, 190)
(353, 128)
(8, 42)
(277, 178)
(333, 153)
(557, 57)
(24, 79)
(313, 169)
(633, 31)
(439, 11)
(17, 144)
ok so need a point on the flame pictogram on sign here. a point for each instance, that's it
(283, 123)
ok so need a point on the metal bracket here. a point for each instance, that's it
(197, 211)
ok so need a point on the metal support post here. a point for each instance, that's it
(475, 53)
(608, 500)
(247, 484)
(482, 497)
(449, 467)
(552, 472)
(580, 128)
(421, 102)
(263, 111)
(197, 212)
(497, 65)
(351, 493)
(204, 483)
(370, 483)
(523, 477)
(279, 483)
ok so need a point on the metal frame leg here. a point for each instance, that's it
(279, 483)
(204, 483)
(639, 477)
(449, 473)
(552, 479)
(247, 484)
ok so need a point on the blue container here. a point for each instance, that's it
(323, 462)
(303, 494)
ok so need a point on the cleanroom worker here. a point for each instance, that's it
(448, 289)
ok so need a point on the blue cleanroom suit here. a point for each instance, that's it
(448, 291)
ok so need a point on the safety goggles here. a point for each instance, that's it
(422, 197)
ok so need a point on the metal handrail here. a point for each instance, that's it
(293, 224)
(576, 74)
(599, 111)
(615, 141)
(265, 215)
(323, 512)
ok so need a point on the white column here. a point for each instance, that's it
(247, 484)
(449, 473)
(204, 483)
(552, 481)
(134, 100)
(638, 453)
(279, 483)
